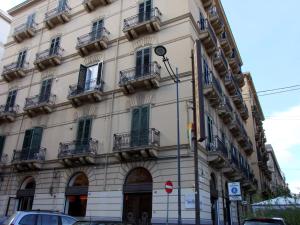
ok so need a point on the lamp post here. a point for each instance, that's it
(162, 51)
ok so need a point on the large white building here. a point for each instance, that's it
(88, 115)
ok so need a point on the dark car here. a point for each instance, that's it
(264, 221)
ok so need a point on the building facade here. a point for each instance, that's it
(88, 111)
(5, 21)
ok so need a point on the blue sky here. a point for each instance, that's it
(267, 34)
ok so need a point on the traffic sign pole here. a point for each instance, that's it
(169, 190)
(168, 208)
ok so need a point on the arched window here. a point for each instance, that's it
(77, 195)
(26, 193)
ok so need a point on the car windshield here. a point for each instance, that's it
(264, 222)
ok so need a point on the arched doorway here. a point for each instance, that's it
(137, 191)
(76, 195)
(214, 199)
(25, 194)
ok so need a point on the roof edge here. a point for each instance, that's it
(16, 9)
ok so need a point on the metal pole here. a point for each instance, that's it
(238, 212)
(195, 146)
(168, 209)
(178, 148)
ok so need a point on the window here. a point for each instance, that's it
(54, 47)
(2, 142)
(10, 102)
(97, 28)
(28, 220)
(210, 132)
(90, 78)
(83, 134)
(201, 20)
(145, 10)
(62, 4)
(21, 59)
(47, 220)
(67, 220)
(143, 62)
(30, 20)
(45, 91)
(207, 79)
(140, 126)
(31, 143)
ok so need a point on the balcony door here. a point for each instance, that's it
(140, 126)
(145, 10)
(10, 102)
(2, 142)
(62, 5)
(210, 134)
(90, 78)
(97, 28)
(143, 62)
(32, 143)
(83, 134)
(55, 44)
(21, 59)
(30, 20)
(45, 91)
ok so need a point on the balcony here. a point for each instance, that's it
(248, 148)
(220, 62)
(236, 127)
(215, 20)
(225, 44)
(24, 31)
(207, 3)
(239, 77)
(233, 171)
(142, 23)
(91, 92)
(217, 154)
(140, 77)
(135, 146)
(8, 114)
(29, 159)
(230, 83)
(244, 112)
(57, 16)
(238, 98)
(234, 62)
(78, 153)
(212, 90)
(91, 5)
(92, 42)
(208, 36)
(225, 111)
(39, 105)
(14, 71)
(48, 58)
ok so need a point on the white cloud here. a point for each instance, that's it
(282, 130)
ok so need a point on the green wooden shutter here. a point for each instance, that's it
(83, 134)
(81, 79)
(87, 131)
(45, 90)
(10, 102)
(26, 144)
(139, 64)
(146, 61)
(144, 126)
(100, 74)
(141, 12)
(148, 8)
(135, 127)
(2, 142)
(21, 59)
(36, 141)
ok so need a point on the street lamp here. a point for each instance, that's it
(162, 51)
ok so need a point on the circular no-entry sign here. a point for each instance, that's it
(169, 187)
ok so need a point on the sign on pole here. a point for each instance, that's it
(169, 190)
(234, 191)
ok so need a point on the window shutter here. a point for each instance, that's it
(62, 5)
(147, 61)
(30, 20)
(148, 9)
(100, 74)
(139, 63)
(2, 142)
(45, 90)
(144, 125)
(10, 102)
(80, 131)
(141, 12)
(81, 78)
(26, 144)
(87, 131)
(55, 43)
(36, 140)
(135, 126)
(97, 29)
(21, 59)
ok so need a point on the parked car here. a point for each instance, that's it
(39, 218)
(86, 222)
(264, 221)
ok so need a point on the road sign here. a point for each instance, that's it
(234, 191)
(169, 187)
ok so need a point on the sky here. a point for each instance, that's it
(267, 33)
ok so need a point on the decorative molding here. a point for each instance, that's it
(144, 42)
(93, 59)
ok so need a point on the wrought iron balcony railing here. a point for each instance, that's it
(211, 81)
(14, 67)
(48, 53)
(140, 18)
(57, 11)
(89, 86)
(39, 100)
(133, 140)
(139, 73)
(218, 146)
(30, 154)
(92, 37)
(4, 109)
(78, 148)
(23, 27)
(205, 25)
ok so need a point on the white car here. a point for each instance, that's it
(39, 218)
